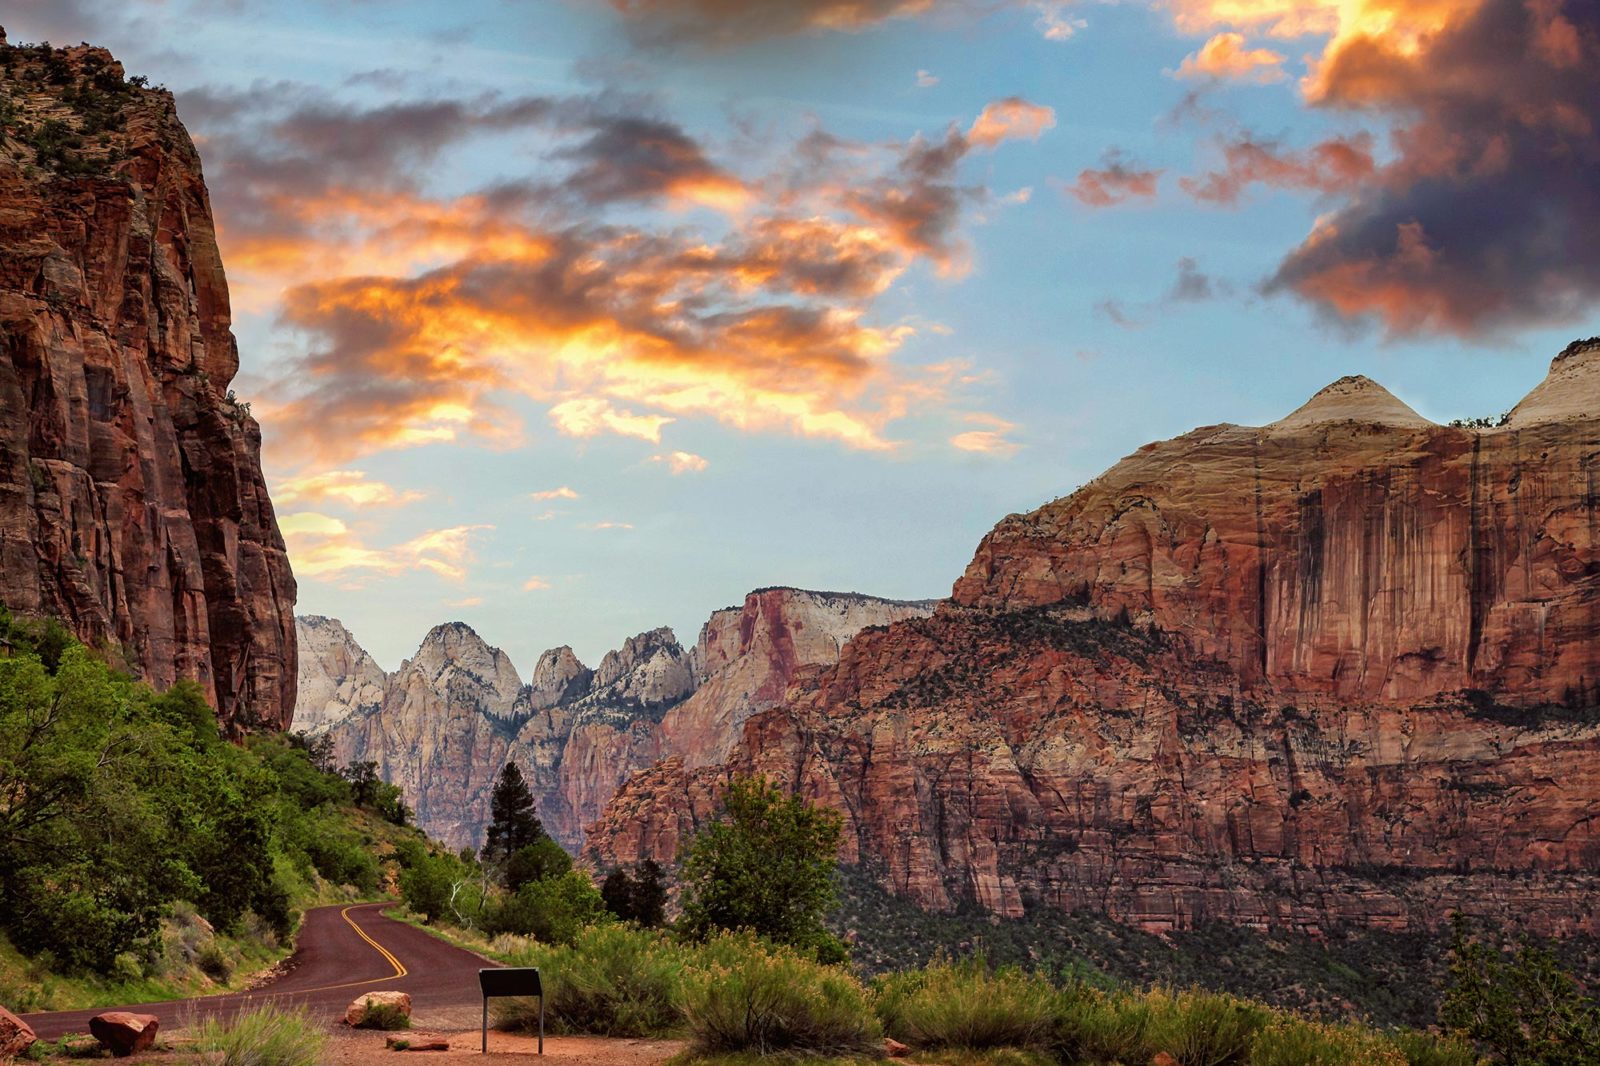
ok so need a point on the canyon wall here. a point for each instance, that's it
(132, 505)
(1338, 670)
(447, 721)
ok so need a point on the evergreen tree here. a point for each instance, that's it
(512, 823)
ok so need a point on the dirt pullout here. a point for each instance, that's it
(363, 1048)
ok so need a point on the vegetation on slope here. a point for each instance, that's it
(139, 851)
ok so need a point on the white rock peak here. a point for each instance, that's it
(1356, 398)
(1571, 389)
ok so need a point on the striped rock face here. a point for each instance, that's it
(1339, 670)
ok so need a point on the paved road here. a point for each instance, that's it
(340, 953)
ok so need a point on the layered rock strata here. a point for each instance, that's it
(1338, 670)
(132, 504)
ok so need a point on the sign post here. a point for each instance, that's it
(511, 981)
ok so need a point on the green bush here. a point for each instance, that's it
(761, 999)
(614, 980)
(265, 1036)
(554, 911)
(1094, 1026)
(1291, 1042)
(1425, 1049)
(1204, 1028)
(385, 1016)
(966, 1005)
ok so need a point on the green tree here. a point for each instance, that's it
(513, 825)
(1518, 1006)
(539, 861)
(766, 864)
(554, 910)
(641, 898)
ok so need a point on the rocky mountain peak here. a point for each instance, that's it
(337, 676)
(454, 658)
(558, 677)
(1354, 398)
(650, 669)
(1570, 390)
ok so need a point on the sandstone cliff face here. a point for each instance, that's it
(132, 504)
(1336, 670)
(337, 676)
(454, 714)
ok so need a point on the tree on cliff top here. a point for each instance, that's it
(766, 865)
(513, 825)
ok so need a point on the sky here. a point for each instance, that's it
(571, 319)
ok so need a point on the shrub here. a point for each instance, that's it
(1425, 1049)
(1092, 1026)
(555, 911)
(1204, 1028)
(385, 1016)
(265, 1036)
(769, 1000)
(614, 980)
(965, 1005)
(1290, 1042)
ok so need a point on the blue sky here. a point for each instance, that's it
(1029, 344)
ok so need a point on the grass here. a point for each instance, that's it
(616, 980)
(265, 1036)
(756, 998)
(966, 1005)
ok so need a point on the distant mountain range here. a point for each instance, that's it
(444, 724)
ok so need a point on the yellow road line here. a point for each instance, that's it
(399, 968)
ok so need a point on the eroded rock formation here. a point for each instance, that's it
(450, 717)
(1341, 669)
(132, 504)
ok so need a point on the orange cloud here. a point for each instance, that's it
(681, 462)
(326, 549)
(534, 584)
(990, 441)
(351, 487)
(1010, 119)
(1336, 165)
(598, 526)
(562, 493)
(1115, 182)
(1227, 56)
(589, 416)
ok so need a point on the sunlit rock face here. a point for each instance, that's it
(1338, 670)
(337, 676)
(451, 716)
(132, 504)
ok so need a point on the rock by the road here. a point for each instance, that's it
(894, 1049)
(124, 1033)
(359, 1013)
(418, 1042)
(16, 1035)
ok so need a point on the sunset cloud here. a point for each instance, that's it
(681, 462)
(351, 487)
(990, 440)
(601, 526)
(1339, 164)
(421, 320)
(1010, 119)
(534, 584)
(562, 493)
(720, 23)
(1227, 56)
(1115, 181)
(326, 549)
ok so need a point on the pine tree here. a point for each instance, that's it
(512, 823)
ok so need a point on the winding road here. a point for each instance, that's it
(341, 951)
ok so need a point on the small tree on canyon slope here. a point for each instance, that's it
(765, 865)
(513, 825)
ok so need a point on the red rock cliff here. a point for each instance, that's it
(132, 504)
(1336, 670)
